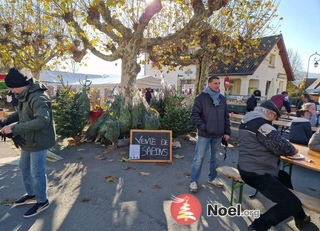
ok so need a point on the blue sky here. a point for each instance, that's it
(300, 29)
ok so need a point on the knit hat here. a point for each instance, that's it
(271, 106)
(15, 79)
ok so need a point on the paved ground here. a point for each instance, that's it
(82, 199)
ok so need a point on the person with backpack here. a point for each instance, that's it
(253, 100)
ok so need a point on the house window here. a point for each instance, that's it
(267, 87)
(272, 60)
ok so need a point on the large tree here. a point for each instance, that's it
(119, 29)
(230, 35)
(29, 36)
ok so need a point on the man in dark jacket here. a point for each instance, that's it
(260, 147)
(34, 124)
(253, 100)
(211, 116)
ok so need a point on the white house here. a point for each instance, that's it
(269, 72)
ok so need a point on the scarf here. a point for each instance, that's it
(213, 94)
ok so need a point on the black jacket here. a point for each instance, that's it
(211, 121)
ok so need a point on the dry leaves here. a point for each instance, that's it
(100, 157)
(178, 156)
(123, 153)
(156, 187)
(123, 159)
(186, 174)
(85, 199)
(144, 173)
(111, 178)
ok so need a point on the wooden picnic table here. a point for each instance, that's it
(285, 124)
(310, 161)
(236, 116)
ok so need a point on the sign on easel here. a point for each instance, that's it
(150, 146)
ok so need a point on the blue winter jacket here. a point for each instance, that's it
(211, 121)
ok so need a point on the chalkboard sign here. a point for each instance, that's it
(150, 146)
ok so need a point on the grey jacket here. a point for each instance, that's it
(34, 119)
(314, 142)
(260, 145)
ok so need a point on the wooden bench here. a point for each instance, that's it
(307, 201)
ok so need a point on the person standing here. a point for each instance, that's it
(211, 116)
(260, 146)
(35, 124)
(281, 100)
(253, 100)
(148, 95)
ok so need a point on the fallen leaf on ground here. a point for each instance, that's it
(156, 187)
(110, 160)
(127, 168)
(111, 178)
(123, 159)
(123, 153)
(85, 199)
(106, 151)
(7, 202)
(80, 158)
(186, 174)
(100, 157)
(312, 189)
(178, 156)
(144, 173)
(140, 191)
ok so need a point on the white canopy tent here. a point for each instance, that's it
(99, 81)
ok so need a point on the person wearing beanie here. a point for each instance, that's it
(34, 123)
(260, 147)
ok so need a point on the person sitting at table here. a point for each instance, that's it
(314, 142)
(300, 129)
(260, 147)
(313, 116)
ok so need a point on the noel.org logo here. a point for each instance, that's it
(185, 209)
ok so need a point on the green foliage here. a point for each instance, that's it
(71, 113)
(111, 130)
(295, 91)
(152, 122)
(138, 113)
(125, 121)
(177, 118)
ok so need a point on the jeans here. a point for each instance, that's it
(205, 145)
(277, 190)
(33, 168)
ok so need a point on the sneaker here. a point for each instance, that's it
(302, 223)
(37, 208)
(193, 187)
(216, 182)
(26, 199)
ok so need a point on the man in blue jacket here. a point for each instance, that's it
(211, 116)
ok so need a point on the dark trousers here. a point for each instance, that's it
(277, 190)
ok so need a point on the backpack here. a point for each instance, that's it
(251, 103)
